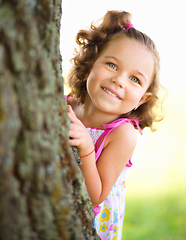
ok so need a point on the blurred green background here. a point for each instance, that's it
(156, 183)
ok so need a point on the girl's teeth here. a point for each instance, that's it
(106, 90)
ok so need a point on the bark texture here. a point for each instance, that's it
(42, 191)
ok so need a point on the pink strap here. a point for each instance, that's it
(67, 96)
(109, 128)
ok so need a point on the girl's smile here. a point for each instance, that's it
(120, 77)
(111, 92)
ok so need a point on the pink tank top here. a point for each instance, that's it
(108, 128)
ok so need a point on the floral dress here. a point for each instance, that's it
(109, 214)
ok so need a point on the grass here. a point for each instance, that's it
(157, 217)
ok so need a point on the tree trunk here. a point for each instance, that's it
(42, 191)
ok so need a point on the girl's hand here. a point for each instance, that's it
(78, 134)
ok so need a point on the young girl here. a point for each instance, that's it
(114, 84)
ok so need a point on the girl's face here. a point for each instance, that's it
(120, 77)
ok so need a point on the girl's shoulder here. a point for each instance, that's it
(124, 134)
(125, 131)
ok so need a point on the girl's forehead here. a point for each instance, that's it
(123, 43)
(124, 47)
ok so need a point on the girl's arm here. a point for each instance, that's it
(100, 176)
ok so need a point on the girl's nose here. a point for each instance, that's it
(119, 81)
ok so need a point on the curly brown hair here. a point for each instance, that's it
(92, 42)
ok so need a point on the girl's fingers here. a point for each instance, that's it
(73, 142)
(74, 134)
(69, 108)
(74, 127)
(71, 114)
(78, 135)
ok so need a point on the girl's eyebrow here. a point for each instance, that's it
(142, 75)
(113, 57)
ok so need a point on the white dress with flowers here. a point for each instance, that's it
(109, 214)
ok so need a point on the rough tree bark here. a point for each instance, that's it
(42, 193)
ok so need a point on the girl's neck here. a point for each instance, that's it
(93, 117)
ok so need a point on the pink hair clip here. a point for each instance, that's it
(129, 25)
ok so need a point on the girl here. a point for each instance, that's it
(114, 83)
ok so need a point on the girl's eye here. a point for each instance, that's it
(112, 65)
(135, 79)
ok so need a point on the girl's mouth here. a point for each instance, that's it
(111, 93)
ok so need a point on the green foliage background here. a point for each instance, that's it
(156, 194)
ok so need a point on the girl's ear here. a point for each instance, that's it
(146, 97)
